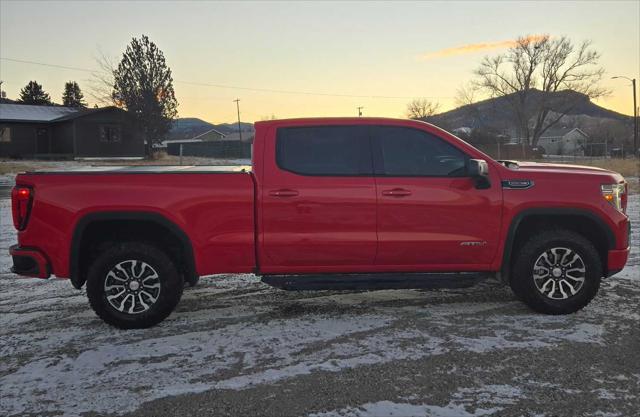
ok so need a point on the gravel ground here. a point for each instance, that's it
(238, 347)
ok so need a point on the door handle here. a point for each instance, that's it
(283, 193)
(397, 192)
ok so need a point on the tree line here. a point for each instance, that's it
(34, 94)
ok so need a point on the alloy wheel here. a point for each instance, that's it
(559, 273)
(132, 286)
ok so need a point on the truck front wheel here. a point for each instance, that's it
(557, 272)
(133, 285)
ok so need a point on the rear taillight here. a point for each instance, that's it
(21, 200)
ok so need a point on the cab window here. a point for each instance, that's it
(411, 152)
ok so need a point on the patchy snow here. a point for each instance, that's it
(389, 409)
(7, 235)
(233, 332)
(464, 403)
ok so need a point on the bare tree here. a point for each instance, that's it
(102, 81)
(465, 95)
(465, 100)
(535, 76)
(421, 108)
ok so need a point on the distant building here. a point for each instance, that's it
(208, 136)
(57, 132)
(212, 144)
(211, 134)
(463, 132)
(573, 142)
(560, 141)
(247, 136)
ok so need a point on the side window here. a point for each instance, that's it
(324, 150)
(411, 152)
(5, 134)
(110, 133)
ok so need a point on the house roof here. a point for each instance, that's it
(85, 112)
(43, 114)
(562, 132)
(207, 132)
(29, 113)
(578, 130)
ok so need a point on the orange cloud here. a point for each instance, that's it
(475, 47)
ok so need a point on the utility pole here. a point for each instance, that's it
(635, 114)
(237, 101)
(635, 120)
(360, 111)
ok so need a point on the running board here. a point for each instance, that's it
(379, 281)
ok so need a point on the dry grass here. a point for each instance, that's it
(8, 167)
(626, 167)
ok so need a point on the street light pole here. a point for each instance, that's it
(635, 114)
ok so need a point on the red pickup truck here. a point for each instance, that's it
(332, 203)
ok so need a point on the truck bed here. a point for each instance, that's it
(212, 205)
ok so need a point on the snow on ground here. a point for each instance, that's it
(233, 333)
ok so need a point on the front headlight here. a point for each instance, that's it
(615, 195)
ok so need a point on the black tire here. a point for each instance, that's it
(169, 289)
(523, 282)
(193, 281)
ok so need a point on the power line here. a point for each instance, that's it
(51, 65)
(233, 87)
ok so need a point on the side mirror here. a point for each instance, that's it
(478, 169)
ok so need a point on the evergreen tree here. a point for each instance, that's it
(143, 85)
(33, 93)
(72, 96)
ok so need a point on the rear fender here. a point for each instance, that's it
(78, 279)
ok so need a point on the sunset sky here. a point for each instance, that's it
(394, 51)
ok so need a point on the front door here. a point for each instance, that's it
(43, 142)
(430, 215)
(318, 200)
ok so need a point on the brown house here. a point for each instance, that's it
(63, 132)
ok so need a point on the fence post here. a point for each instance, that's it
(181, 154)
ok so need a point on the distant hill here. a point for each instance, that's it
(497, 112)
(189, 127)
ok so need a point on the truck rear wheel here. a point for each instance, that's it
(557, 272)
(133, 285)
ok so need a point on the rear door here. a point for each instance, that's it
(318, 200)
(430, 214)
